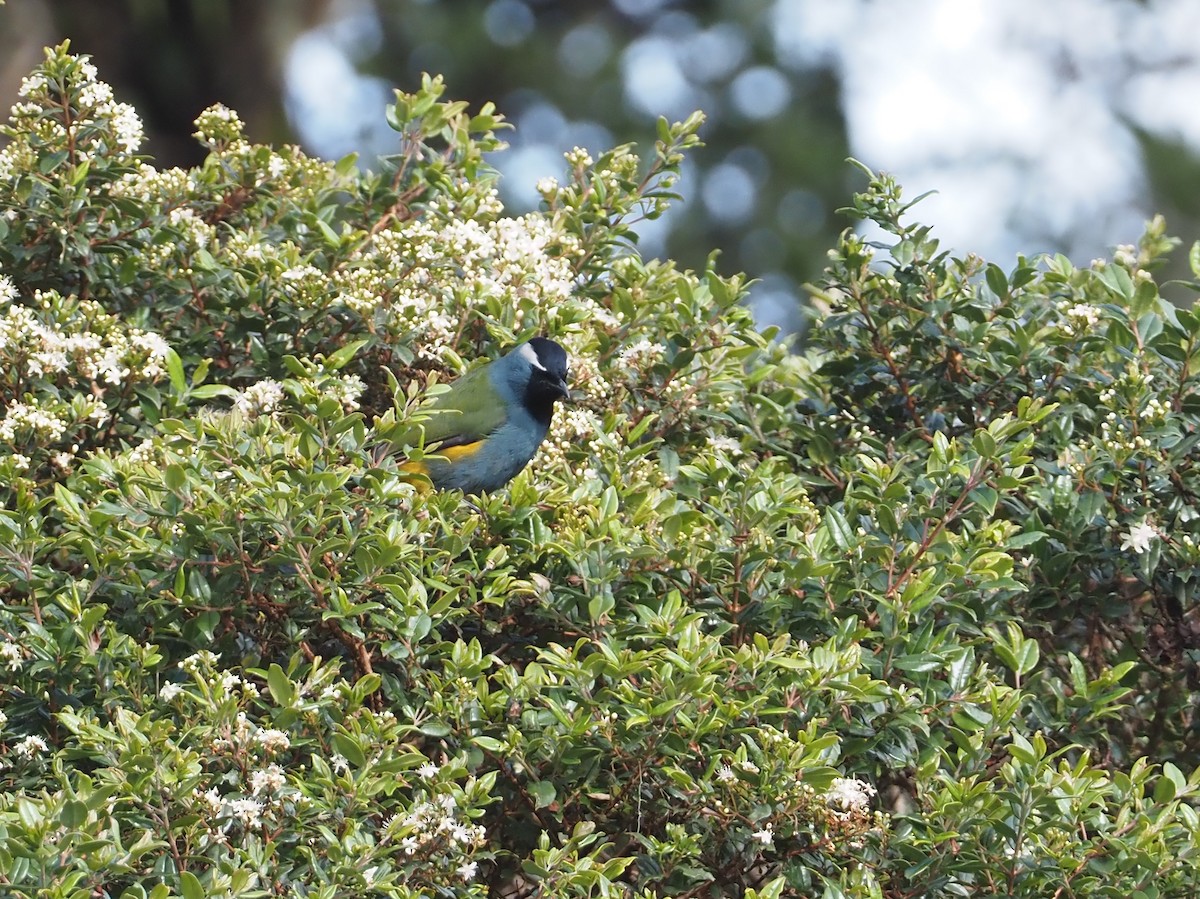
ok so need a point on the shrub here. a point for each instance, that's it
(905, 614)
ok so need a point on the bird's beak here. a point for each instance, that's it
(564, 390)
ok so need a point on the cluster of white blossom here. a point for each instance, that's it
(144, 453)
(94, 124)
(346, 389)
(728, 446)
(248, 253)
(10, 655)
(1075, 459)
(194, 233)
(1126, 254)
(849, 796)
(30, 748)
(433, 826)
(574, 429)
(1078, 319)
(149, 184)
(87, 341)
(1118, 437)
(32, 421)
(260, 398)
(1134, 406)
(1140, 537)
(727, 775)
(15, 156)
(1132, 382)
(268, 791)
(578, 158)
(268, 780)
(169, 691)
(587, 382)
(640, 356)
(421, 276)
(218, 125)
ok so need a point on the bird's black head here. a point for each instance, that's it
(548, 371)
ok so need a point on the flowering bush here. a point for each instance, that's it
(907, 614)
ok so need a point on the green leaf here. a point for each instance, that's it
(283, 691)
(1027, 656)
(838, 529)
(174, 477)
(74, 813)
(208, 391)
(961, 669)
(543, 793)
(175, 372)
(190, 886)
(1021, 749)
(1172, 783)
(996, 280)
(1117, 280)
(29, 813)
(349, 747)
(343, 355)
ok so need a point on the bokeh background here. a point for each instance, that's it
(1043, 127)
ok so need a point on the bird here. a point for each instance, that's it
(488, 426)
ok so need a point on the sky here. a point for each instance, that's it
(1017, 113)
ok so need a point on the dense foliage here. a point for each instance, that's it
(908, 614)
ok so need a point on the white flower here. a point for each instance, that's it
(332, 691)
(272, 740)
(849, 794)
(725, 774)
(765, 836)
(1139, 537)
(262, 398)
(30, 747)
(428, 771)
(127, 126)
(10, 655)
(211, 798)
(727, 445)
(170, 691)
(642, 354)
(197, 660)
(578, 156)
(248, 811)
(467, 871)
(32, 84)
(267, 780)
(339, 763)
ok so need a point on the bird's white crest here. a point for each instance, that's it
(529, 354)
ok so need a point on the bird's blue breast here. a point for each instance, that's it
(498, 459)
